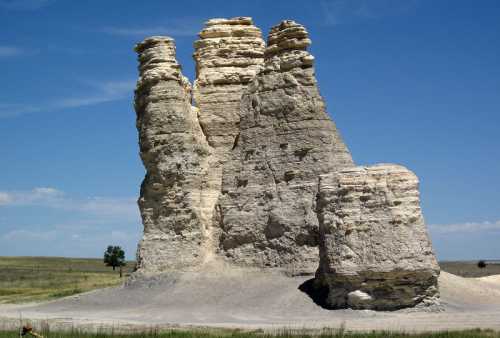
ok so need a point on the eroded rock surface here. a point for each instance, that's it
(286, 140)
(228, 54)
(257, 175)
(375, 251)
(175, 154)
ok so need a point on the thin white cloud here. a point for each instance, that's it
(104, 92)
(35, 196)
(338, 12)
(67, 241)
(102, 207)
(27, 235)
(160, 30)
(6, 51)
(110, 207)
(177, 28)
(71, 50)
(24, 5)
(122, 236)
(88, 226)
(466, 227)
(5, 198)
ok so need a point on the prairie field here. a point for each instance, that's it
(31, 279)
(470, 269)
(259, 334)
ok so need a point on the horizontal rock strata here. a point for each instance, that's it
(375, 251)
(228, 55)
(257, 174)
(175, 154)
(286, 140)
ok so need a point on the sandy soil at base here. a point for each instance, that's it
(250, 299)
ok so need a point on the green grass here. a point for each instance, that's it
(470, 269)
(28, 279)
(258, 334)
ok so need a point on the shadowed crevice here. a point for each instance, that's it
(318, 293)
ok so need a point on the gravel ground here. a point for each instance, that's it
(249, 299)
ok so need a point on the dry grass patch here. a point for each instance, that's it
(31, 279)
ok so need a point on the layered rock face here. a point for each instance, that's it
(228, 55)
(286, 140)
(375, 251)
(175, 154)
(257, 174)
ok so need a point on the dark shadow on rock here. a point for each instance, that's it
(318, 293)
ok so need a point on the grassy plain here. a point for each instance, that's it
(470, 268)
(28, 279)
(258, 334)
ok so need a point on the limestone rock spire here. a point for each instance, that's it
(228, 54)
(175, 155)
(286, 141)
(257, 174)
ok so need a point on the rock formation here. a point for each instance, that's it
(228, 54)
(257, 175)
(286, 140)
(175, 154)
(375, 252)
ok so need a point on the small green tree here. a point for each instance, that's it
(114, 256)
(481, 264)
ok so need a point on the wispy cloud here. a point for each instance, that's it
(103, 207)
(82, 226)
(177, 27)
(68, 241)
(29, 235)
(15, 109)
(7, 51)
(352, 11)
(110, 207)
(24, 5)
(106, 92)
(70, 50)
(466, 227)
(5, 198)
(103, 92)
(35, 196)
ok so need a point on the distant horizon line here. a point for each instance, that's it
(490, 261)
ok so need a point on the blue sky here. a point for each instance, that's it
(414, 82)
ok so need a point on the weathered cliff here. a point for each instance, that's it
(286, 140)
(257, 174)
(228, 54)
(175, 154)
(374, 247)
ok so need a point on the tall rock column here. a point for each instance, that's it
(175, 154)
(375, 251)
(228, 54)
(286, 140)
